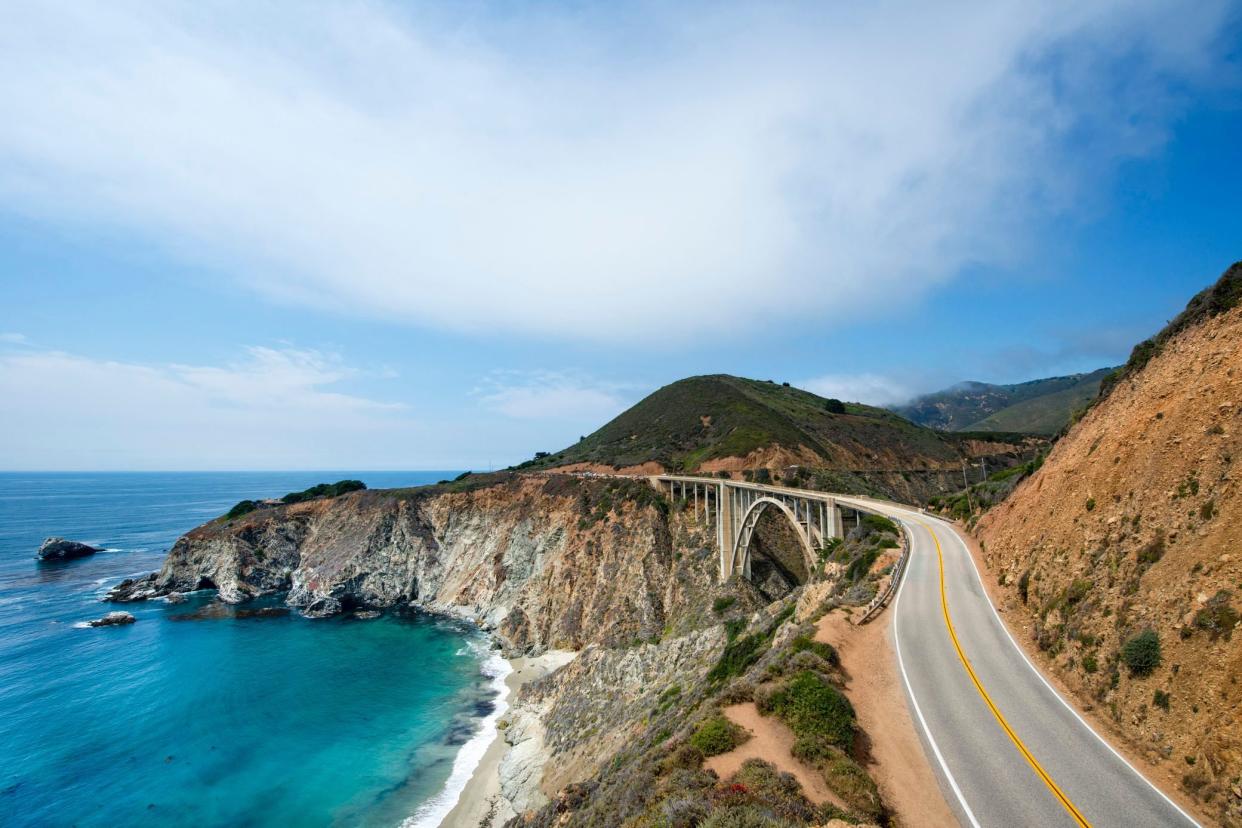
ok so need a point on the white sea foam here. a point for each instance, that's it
(432, 812)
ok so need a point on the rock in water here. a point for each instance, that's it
(134, 589)
(113, 619)
(59, 549)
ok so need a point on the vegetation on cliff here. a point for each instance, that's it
(1118, 556)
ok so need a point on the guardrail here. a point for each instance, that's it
(881, 599)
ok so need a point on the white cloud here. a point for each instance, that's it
(629, 175)
(549, 395)
(273, 409)
(14, 339)
(872, 389)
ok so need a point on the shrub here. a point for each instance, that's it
(813, 707)
(336, 489)
(1142, 653)
(853, 784)
(1217, 617)
(747, 816)
(245, 507)
(717, 735)
(879, 523)
(1089, 664)
(1090, 504)
(738, 655)
(1161, 700)
(1076, 591)
(1024, 585)
(822, 649)
(721, 604)
(861, 565)
(834, 406)
(1152, 551)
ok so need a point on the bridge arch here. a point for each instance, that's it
(739, 554)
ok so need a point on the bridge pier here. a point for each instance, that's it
(737, 506)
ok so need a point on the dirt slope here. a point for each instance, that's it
(1132, 525)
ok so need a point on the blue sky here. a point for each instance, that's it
(395, 235)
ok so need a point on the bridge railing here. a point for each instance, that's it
(882, 598)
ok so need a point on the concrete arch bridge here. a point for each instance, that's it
(734, 508)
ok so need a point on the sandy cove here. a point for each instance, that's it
(481, 802)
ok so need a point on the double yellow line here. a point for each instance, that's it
(1026, 754)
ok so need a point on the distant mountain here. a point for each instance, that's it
(721, 422)
(1040, 406)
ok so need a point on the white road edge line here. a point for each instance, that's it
(944, 766)
(1051, 689)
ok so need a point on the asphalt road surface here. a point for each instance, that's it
(1009, 751)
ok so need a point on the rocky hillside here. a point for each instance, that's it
(725, 424)
(1042, 406)
(1122, 554)
(605, 567)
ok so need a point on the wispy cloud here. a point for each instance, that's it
(273, 408)
(872, 389)
(10, 338)
(538, 171)
(550, 395)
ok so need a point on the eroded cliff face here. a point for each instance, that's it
(548, 562)
(1132, 524)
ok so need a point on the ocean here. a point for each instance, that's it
(193, 716)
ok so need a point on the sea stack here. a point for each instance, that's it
(59, 549)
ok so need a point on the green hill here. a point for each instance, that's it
(1040, 406)
(699, 419)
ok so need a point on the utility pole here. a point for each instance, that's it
(966, 481)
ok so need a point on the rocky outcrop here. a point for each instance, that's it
(59, 549)
(112, 619)
(545, 561)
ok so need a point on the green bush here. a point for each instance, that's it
(1024, 585)
(336, 489)
(1161, 700)
(717, 735)
(814, 708)
(738, 655)
(853, 784)
(1089, 664)
(245, 507)
(861, 565)
(822, 649)
(834, 406)
(879, 523)
(721, 604)
(1142, 653)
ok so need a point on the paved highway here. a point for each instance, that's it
(1008, 750)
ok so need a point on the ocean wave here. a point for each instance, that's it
(432, 812)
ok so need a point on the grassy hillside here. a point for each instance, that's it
(700, 419)
(1040, 406)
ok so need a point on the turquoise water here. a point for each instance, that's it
(217, 721)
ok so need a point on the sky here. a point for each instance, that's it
(396, 235)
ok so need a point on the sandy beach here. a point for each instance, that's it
(476, 803)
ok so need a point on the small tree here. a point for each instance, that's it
(834, 406)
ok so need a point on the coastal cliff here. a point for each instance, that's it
(608, 568)
(546, 562)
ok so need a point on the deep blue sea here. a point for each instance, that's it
(218, 721)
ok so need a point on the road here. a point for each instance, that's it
(1009, 751)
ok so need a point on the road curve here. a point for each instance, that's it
(1009, 751)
